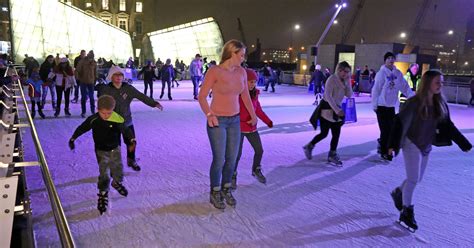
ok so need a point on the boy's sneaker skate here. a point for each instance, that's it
(407, 219)
(120, 188)
(397, 198)
(260, 177)
(103, 201)
(217, 200)
(233, 184)
(229, 198)
(333, 158)
(308, 150)
(133, 164)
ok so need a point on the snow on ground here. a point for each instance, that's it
(305, 203)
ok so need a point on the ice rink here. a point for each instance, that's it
(306, 203)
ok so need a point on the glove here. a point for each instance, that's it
(71, 144)
(270, 125)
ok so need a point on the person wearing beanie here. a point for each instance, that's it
(317, 79)
(123, 95)
(250, 132)
(389, 81)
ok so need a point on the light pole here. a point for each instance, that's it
(295, 28)
(339, 6)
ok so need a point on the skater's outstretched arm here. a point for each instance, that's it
(82, 129)
(145, 99)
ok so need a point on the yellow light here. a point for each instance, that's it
(302, 48)
(304, 67)
(291, 48)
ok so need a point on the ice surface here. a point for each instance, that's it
(304, 204)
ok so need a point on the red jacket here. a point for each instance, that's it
(245, 115)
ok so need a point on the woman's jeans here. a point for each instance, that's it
(225, 141)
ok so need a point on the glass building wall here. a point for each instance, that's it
(43, 27)
(184, 41)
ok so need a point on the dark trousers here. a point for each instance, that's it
(326, 125)
(87, 91)
(130, 154)
(148, 83)
(256, 143)
(165, 83)
(195, 80)
(34, 104)
(77, 88)
(59, 92)
(385, 117)
(269, 82)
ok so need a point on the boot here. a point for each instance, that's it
(66, 112)
(257, 173)
(407, 218)
(217, 200)
(33, 114)
(161, 96)
(103, 201)
(229, 198)
(397, 198)
(41, 114)
(56, 113)
(308, 149)
(333, 158)
(120, 188)
(169, 97)
(133, 164)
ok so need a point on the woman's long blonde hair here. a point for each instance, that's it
(422, 94)
(230, 47)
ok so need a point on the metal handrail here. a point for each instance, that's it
(58, 212)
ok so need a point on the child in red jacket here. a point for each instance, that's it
(250, 131)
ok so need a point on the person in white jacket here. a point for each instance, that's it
(389, 82)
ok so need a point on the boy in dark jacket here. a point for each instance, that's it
(106, 128)
(123, 95)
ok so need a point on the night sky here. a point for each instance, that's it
(273, 20)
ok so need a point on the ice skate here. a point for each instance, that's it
(308, 149)
(133, 164)
(217, 200)
(333, 159)
(66, 112)
(120, 188)
(103, 201)
(40, 112)
(229, 198)
(407, 219)
(397, 198)
(258, 174)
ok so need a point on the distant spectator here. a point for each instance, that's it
(78, 82)
(312, 68)
(195, 69)
(31, 64)
(87, 74)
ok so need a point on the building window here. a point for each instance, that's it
(123, 24)
(105, 4)
(123, 5)
(138, 27)
(139, 7)
(69, 2)
(88, 4)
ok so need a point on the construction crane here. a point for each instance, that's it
(346, 35)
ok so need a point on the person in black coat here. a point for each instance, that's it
(422, 122)
(167, 74)
(148, 72)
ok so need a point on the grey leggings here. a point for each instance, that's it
(256, 143)
(415, 165)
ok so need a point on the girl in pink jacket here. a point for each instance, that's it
(250, 131)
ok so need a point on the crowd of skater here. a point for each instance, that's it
(231, 117)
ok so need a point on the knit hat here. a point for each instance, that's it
(388, 54)
(63, 60)
(318, 67)
(251, 74)
(114, 70)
